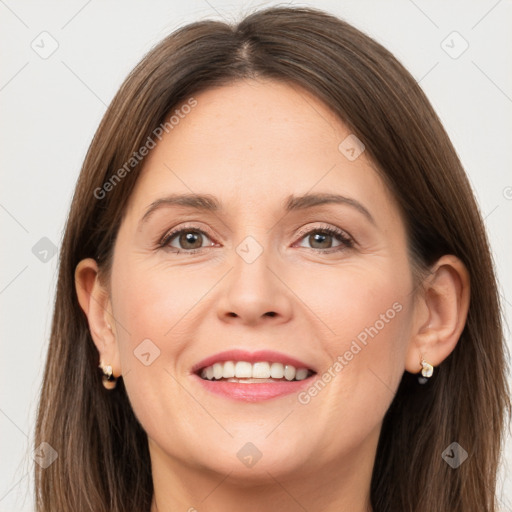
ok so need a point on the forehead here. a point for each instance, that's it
(254, 141)
(264, 116)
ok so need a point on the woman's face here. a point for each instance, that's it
(259, 273)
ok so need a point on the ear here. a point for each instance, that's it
(440, 313)
(95, 301)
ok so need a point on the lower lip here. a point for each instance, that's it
(254, 392)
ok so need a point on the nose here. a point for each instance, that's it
(255, 293)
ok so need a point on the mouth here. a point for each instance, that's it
(245, 372)
(252, 376)
(283, 380)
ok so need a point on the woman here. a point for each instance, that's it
(330, 339)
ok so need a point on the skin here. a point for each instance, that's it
(251, 144)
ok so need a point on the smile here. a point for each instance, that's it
(253, 382)
(246, 372)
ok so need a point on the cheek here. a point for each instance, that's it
(154, 306)
(372, 314)
(150, 304)
(383, 330)
(364, 316)
(355, 302)
(153, 301)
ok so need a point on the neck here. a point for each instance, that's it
(339, 485)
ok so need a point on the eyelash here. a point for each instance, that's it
(342, 236)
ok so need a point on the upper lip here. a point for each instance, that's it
(250, 357)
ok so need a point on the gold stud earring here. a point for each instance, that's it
(108, 379)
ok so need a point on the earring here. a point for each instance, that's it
(427, 371)
(108, 379)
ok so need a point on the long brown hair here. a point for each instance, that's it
(103, 460)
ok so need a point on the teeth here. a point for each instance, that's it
(217, 371)
(277, 371)
(229, 370)
(260, 371)
(289, 372)
(232, 371)
(301, 374)
(243, 370)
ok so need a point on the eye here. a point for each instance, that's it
(192, 240)
(322, 238)
(189, 240)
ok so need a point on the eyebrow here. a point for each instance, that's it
(206, 202)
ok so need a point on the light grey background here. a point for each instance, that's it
(50, 108)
